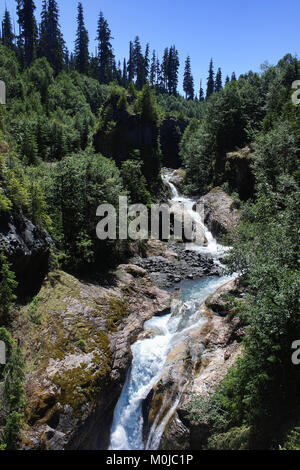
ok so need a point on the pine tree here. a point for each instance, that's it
(7, 32)
(165, 68)
(139, 64)
(210, 81)
(188, 81)
(173, 67)
(28, 30)
(201, 92)
(124, 74)
(227, 80)
(130, 64)
(147, 62)
(233, 77)
(105, 51)
(218, 82)
(81, 44)
(153, 70)
(51, 40)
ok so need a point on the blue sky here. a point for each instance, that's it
(239, 34)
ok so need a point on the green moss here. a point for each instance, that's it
(235, 439)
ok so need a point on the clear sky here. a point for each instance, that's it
(238, 34)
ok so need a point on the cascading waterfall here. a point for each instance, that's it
(151, 352)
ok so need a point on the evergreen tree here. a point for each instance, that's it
(153, 70)
(147, 62)
(124, 74)
(130, 64)
(165, 68)
(227, 79)
(7, 32)
(51, 40)
(173, 67)
(28, 30)
(233, 77)
(201, 92)
(105, 51)
(139, 63)
(188, 81)
(218, 82)
(81, 44)
(210, 81)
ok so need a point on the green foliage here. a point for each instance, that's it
(208, 410)
(293, 440)
(135, 182)
(7, 287)
(11, 393)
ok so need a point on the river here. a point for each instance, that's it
(151, 352)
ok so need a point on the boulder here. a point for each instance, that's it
(220, 216)
(178, 178)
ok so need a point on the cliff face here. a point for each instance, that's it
(220, 216)
(76, 341)
(28, 250)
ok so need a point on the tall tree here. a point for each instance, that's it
(211, 80)
(105, 51)
(233, 77)
(51, 40)
(28, 30)
(7, 32)
(124, 74)
(188, 81)
(173, 67)
(165, 68)
(139, 62)
(81, 44)
(130, 64)
(218, 82)
(227, 80)
(153, 70)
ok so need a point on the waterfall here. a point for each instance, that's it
(150, 353)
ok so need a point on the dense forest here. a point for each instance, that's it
(79, 130)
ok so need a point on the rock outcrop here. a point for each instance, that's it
(178, 178)
(239, 172)
(28, 250)
(220, 216)
(76, 340)
(196, 364)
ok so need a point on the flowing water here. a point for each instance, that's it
(150, 353)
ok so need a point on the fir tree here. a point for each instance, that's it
(188, 81)
(153, 70)
(51, 41)
(233, 77)
(218, 82)
(105, 51)
(28, 30)
(7, 32)
(81, 44)
(165, 68)
(173, 67)
(139, 64)
(227, 79)
(210, 80)
(124, 74)
(130, 64)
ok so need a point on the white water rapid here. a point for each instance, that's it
(150, 353)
